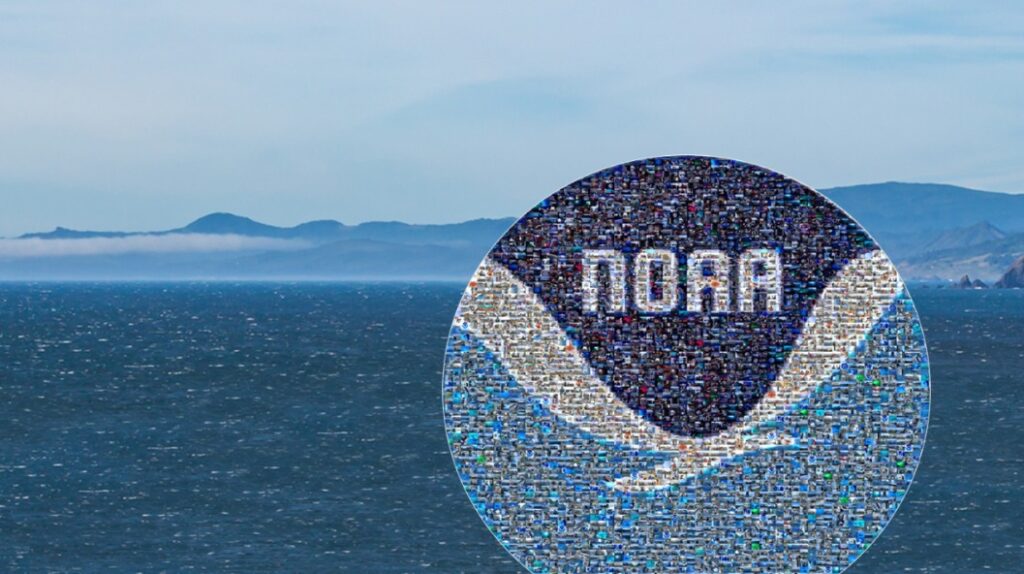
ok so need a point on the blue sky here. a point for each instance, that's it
(145, 115)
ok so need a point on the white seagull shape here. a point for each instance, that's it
(506, 316)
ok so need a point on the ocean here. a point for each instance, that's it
(276, 427)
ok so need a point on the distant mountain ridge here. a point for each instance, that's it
(322, 249)
(318, 231)
(932, 232)
(938, 231)
(903, 208)
(977, 234)
(1014, 276)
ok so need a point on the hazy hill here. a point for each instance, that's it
(899, 208)
(987, 261)
(224, 245)
(936, 231)
(229, 223)
(976, 234)
(471, 232)
(932, 231)
(1014, 276)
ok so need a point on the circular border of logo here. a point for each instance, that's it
(580, 482)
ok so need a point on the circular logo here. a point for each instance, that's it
(686, 364)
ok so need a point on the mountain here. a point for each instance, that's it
(229, 223)
(477, 232)
(936, 231)
(900, 208)
(1014, 277)
(910, 219)
(986, 261)
(976, 234)
(224, 245)
(473, 232)
(932, 232)
(320, 231)
(65, 233)
(214, 223)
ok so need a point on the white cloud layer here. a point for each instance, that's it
(170, 243)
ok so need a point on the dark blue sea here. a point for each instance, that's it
(215, 427)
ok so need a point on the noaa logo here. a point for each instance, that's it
(686, 364)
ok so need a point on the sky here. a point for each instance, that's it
(146, 115)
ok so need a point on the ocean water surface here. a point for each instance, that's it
(272, 427)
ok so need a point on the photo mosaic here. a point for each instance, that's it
(686, 364)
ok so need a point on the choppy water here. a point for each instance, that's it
(297, 428)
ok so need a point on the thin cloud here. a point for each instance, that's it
(170, 243)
